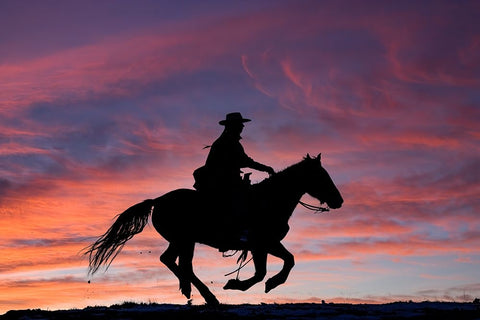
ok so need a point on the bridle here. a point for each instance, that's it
(317, 209)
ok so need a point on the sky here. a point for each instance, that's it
(106, 103)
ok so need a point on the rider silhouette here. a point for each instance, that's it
(221, 174)
(227, 156)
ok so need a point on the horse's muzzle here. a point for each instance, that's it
(336, 204)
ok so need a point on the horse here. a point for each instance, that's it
(185, 217)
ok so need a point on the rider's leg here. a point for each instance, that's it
(239, 213)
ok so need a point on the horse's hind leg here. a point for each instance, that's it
(169, 258)
(186, 267)
(184, 271)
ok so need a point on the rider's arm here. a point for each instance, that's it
(261, 167)
(250, 163)
(247, 162)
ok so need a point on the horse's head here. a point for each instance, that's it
(319, 183)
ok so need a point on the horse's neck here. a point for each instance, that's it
(284, 189)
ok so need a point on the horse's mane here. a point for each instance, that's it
(286, 175)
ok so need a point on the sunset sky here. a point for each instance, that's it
(106, 103)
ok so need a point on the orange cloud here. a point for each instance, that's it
(88, 131)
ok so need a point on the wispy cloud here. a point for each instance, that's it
(120, 111)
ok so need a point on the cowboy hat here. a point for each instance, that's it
(234, 117)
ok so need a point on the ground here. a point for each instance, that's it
(391, 311)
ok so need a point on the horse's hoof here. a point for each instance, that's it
(186, 289)
(232, 284)
(269, 285)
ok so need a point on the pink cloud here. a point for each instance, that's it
(398, 128)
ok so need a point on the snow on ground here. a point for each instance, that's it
(391, 311)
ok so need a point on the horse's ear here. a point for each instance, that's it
(319, 157)
(308, 156)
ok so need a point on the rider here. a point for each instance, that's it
(224, 163)
(227, 156)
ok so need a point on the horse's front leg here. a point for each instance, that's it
(278, 250)
(260, 262)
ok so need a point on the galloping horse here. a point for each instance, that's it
(184, 217)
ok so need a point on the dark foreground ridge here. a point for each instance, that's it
(391, 311)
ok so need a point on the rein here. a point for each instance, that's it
(317, 209)
(240, 261)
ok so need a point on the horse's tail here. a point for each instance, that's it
(109, 245)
